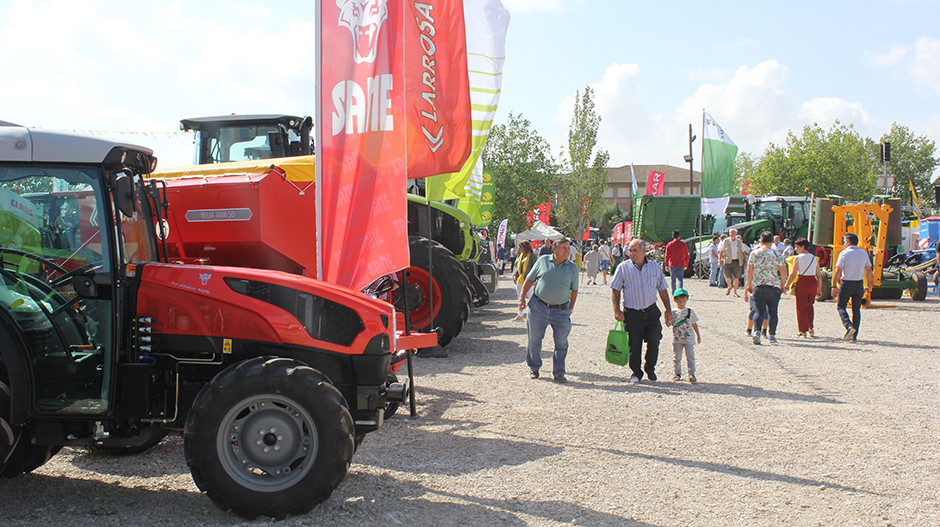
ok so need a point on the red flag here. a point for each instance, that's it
(587, 233)
(540, 213)
(361, 152)
(437, 87)
(655, 183)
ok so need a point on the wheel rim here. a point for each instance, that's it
(420, 281)
(267, 443)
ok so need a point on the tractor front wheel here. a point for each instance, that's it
(446, 287)
(269, 436)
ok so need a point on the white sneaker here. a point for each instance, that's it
(517, 319)
(756, 338)
(849, 333)
(634, 380)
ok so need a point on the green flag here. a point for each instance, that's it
(718, 154)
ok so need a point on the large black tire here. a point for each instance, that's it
(25, 457)
(826, 288)
(450, 285)
(269, 436)
(152, 436)
(8, 435)
(919, 291)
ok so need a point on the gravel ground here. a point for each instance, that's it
(807, 432)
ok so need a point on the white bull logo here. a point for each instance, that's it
(364, 19)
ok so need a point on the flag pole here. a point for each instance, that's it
(318, 139)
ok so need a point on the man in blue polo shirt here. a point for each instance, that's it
(851, 279)
(640, 280)
(555, 279)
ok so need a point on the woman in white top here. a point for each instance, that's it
(808, 278)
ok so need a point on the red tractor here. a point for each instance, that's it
(274, 377)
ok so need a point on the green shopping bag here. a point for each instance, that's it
(618, 345)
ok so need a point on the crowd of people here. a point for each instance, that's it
(547, 290)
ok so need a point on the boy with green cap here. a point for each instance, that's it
(684, 327)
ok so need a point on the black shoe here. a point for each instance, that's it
(534, 374)
(764, 332)
(561, 378)
(748, 333)
(651, 376)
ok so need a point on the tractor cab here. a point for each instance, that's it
(249, 137)
(73, 213)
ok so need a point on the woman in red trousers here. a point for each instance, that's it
(805, 272)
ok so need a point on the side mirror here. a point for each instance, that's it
(85, 287)
(124, 194)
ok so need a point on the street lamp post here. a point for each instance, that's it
(688, 159)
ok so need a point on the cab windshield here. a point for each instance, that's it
(53, 235)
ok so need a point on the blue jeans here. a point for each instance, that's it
(540, 317)
(677, 273)
(855, 290)
(715, 272)
(765, 299)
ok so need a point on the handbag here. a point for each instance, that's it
(797, 279)
(618, 345)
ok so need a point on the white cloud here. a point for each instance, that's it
(825, 110)
(254, 10)
(889, 59)
(924, 67)
(551, 6)
(752, 106)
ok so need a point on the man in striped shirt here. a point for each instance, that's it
(640, 279)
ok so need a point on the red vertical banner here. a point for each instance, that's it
(540, 213)
(655, 183)
(361, 151)
(437, 87)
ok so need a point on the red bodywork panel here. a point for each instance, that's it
(219, 218)
(260, 221)
(195, 300)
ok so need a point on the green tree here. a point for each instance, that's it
(523, 170)
(605, 217)
(912, 160)
(745, 166)
(836, 161)
(583, 180)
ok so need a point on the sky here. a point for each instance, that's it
(132, 70)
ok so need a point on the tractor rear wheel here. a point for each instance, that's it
(17, 454)
(919, 291)
(8, 435)
(269, 436)
(826, 288)
(450, 288)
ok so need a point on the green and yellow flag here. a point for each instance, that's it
(486, 22)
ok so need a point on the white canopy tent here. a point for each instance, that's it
(539, 231)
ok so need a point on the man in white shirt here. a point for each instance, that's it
(713, 262)
(733, 255)
(778, 244)
(851, 279)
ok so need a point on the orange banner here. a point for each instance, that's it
(437, 87)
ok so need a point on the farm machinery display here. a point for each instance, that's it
(448, 275)
(878, 228)
(275, 377)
